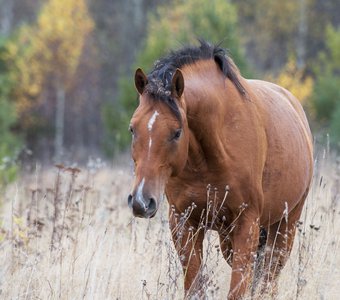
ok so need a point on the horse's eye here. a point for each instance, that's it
(131, 130)
(177, 134)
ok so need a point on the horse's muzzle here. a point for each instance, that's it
(142, 207)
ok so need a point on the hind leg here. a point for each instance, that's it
(260, 259)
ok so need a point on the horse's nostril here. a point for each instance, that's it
(152, 204)
(130, 200)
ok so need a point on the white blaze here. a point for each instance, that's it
(150, 125)
(139, 194)
(152, 120)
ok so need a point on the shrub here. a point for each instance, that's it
(9, 142)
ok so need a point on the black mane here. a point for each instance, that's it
(159, 79)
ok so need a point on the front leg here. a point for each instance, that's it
(188, 241)
(245, 238)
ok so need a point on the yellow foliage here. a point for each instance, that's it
(2, 237)
(61, 30)
(48, 50)
(293, 80)
(18, 221)
(19, 233)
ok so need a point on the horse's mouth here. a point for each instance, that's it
(147, 215)
(153, 214)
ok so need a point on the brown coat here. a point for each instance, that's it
(258, 145)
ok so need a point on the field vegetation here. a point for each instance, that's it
(67, 233)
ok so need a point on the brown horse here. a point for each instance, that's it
(198, 124)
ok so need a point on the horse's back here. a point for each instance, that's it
(289, 163)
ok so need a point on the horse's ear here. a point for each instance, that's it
(177, 84)
(140, 81)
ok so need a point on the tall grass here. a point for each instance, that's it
(68, 234)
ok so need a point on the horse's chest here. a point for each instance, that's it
(206, 199)
(184, 195)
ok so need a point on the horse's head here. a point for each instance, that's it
(159, 141)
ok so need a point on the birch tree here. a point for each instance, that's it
(62, 28)
(47, 55)
(6, 16)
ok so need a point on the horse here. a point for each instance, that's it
(199, 124)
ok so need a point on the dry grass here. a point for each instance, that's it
(70, 235)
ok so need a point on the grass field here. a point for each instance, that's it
(67, 234)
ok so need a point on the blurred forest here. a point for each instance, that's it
(66, 66)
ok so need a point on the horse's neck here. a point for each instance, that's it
(196, 157)
(207, 135)
(211, 102)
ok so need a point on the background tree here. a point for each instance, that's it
(6, 17)
(9, 142)
(46, 56)
(273, 31)
(277, 40)
(326, 97)
(170, 27)
(293, 78)
(268, 30)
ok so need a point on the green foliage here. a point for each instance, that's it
(170, 28)
(326, 96)
(214, 21)
(333, 46)
(335, 125)
(116, 120)
(9, 143)
(268, 29)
